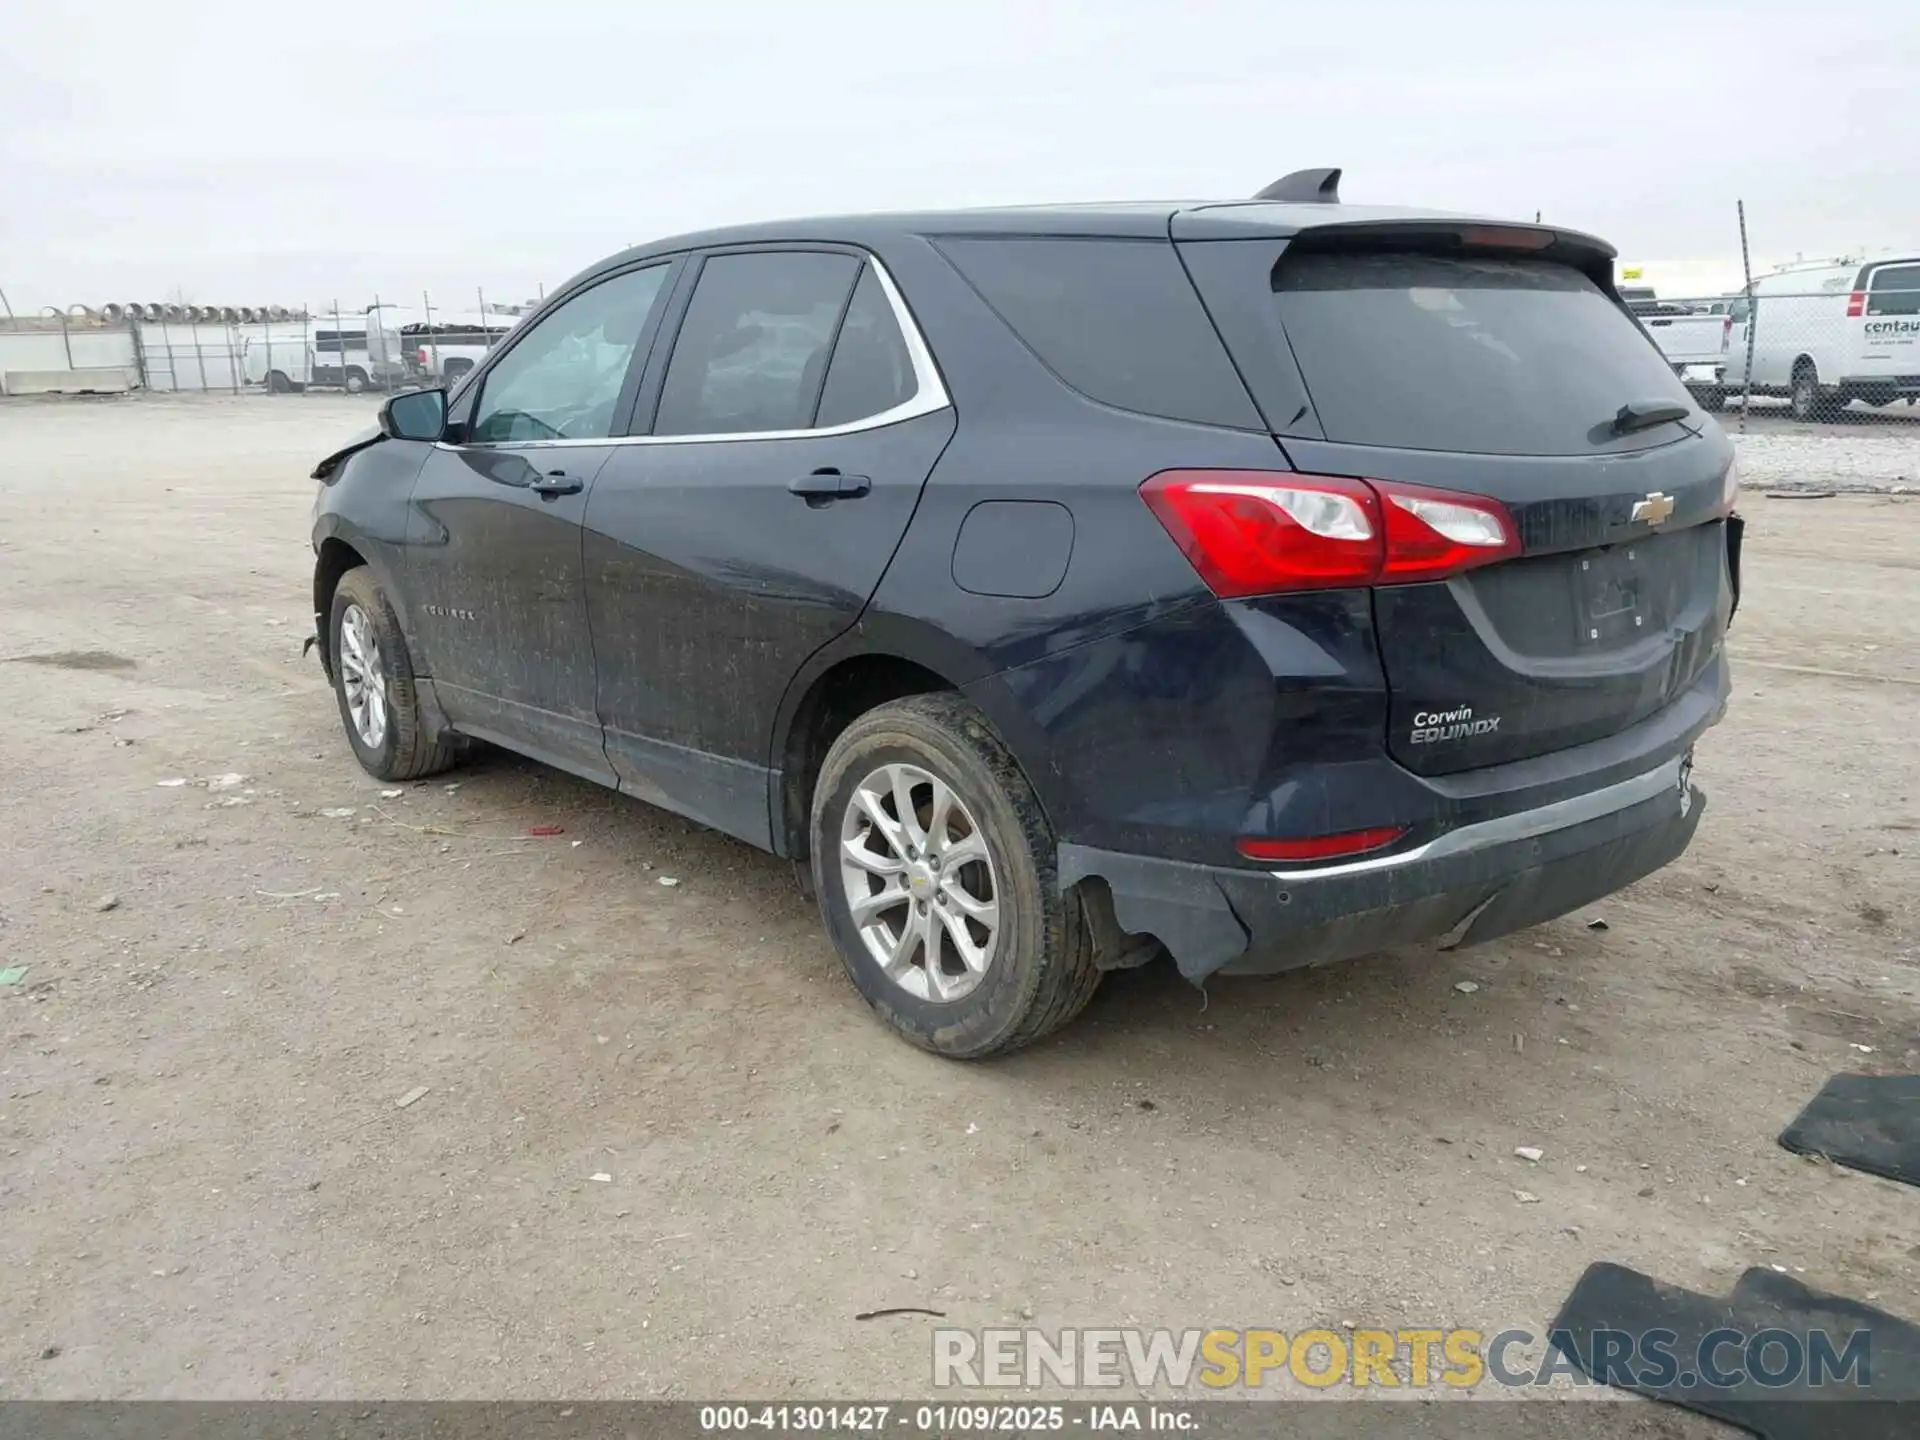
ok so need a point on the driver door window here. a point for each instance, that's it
(562, 380)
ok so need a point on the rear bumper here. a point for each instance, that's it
(1881, 384)
(1474, 883)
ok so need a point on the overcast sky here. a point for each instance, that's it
(249, 153)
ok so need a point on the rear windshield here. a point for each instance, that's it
(1484, 356)
(1894, 290)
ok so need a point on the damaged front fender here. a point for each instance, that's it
(330, 467)
(315, 639)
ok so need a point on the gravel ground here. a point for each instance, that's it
(1861, 456)
(209, 1190)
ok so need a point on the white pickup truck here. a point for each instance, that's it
(450, 345)
(1692, 341)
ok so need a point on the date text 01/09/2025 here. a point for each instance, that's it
(946, 1419)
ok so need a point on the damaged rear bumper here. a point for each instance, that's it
(1470, 884)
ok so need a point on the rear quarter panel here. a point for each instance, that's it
(1133, 701)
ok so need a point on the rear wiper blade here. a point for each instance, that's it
(1643, 414)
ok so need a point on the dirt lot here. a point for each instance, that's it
(207, 1189)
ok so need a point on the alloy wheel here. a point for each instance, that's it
(363, 677)
(920, 883)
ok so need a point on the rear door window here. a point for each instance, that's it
(753, 349)
(871, 371)
(1117, 320)
(1478, 356)
(1894, 290)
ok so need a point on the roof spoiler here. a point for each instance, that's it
(1313, 187)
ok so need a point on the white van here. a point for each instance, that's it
(1830, 333)
(354, 351)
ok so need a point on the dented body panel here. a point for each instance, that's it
(360, 516)
(499, 600)
(709, 584)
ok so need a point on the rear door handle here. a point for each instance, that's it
(830, 485)
(557, 482)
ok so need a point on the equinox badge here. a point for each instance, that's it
(1655, 508)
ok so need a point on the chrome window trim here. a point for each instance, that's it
(1521, 825)
(929, 395)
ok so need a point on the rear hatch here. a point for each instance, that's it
(1885, 318)
(1492, 362)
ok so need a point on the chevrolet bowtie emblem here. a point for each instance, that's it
(1655, 508)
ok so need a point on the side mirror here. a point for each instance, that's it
(416, 415)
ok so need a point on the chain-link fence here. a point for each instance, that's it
(1825, 340)
(379, 346)
(1829, 341)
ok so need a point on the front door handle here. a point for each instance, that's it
(557, 482)
(830, 484)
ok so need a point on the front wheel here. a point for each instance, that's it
(356, 382)
(373, 683)
(934, 867)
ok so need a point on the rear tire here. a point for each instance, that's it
(1038, 970)
(278, 384)
(373, 685)
(1806, 400)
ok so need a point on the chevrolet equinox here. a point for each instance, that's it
(1261, 583)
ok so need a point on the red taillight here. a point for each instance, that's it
(1856, 304)
(1256, 532)
(1321, 847)
(1249, 532)
(1434, 533)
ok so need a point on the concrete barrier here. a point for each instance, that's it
(101, 380)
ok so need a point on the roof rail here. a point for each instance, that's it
(1314, 187)
(1820, 264)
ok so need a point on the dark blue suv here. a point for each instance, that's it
(1261, 583)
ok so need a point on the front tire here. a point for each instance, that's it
(356, 382)
(373, 684)
(934, 866)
